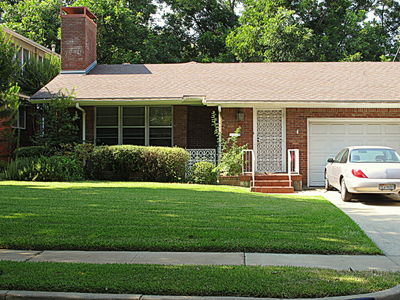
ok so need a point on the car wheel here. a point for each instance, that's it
(344, 193)
(328, 186)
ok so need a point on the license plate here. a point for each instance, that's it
(387, 187)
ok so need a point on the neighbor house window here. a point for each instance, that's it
(26, 55)
(134, 125)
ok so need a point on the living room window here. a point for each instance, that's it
(134, 125)
(107, 125)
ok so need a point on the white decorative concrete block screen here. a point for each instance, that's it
(197, 155)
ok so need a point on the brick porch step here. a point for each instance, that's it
(271, 177)
(268, 183)
(272, 189)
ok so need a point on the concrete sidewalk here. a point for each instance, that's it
(336, 262)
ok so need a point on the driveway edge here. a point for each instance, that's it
(389, 294)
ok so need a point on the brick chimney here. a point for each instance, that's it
(78, 40)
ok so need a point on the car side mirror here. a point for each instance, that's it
(330, 160)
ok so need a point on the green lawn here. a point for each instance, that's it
(279, 282)
(171, 217)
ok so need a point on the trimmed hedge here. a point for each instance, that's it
(54, 168)
(137, 163)
(204, 172)
(33, 151)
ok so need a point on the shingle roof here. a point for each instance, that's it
(330, 81)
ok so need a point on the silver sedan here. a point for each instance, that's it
(364, 169)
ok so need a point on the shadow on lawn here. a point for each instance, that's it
(157, 191)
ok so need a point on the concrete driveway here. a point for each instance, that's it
(377, 215)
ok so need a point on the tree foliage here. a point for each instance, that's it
(204, 24)
(57, 122)
(161, 31)
(9, 70)
(37, 73)
(9, 66)
(35, 19)
(314, 30)
(270, 32)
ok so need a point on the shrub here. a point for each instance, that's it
(138, 163)
(230, 154)
(204, 173)
(32, 151)
(3, 165)
(54, 168)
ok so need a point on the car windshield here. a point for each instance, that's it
(374, 156)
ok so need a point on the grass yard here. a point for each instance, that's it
(278, 282)
(171, 217)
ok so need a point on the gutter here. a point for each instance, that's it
(83, 122)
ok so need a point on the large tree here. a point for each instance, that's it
(315, 30)
(270, 32)
(202, 25)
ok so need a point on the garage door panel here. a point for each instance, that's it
(319, 129)
(392, 129)
(355, 129)
(337, 128)
(374, 128)
(327, 138)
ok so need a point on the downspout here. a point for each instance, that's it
(220, 137)
(83, 122)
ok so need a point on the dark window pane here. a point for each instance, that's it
(160, 133)
(160, 116)
(21, 117)
(26, 55)
(107, 116)
(133, 136)
(133, 116)
(160, 137)
(107, 136)
(161, 142)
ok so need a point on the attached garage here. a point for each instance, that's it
(326, 137)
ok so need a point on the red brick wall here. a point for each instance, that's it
(296, 119)
(78, 42)
(5, 146)
(230, 123)
(200, 132)
(180, 125)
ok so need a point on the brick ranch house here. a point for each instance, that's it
(317, 108)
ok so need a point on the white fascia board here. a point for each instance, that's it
(130, 101)
(310, 104)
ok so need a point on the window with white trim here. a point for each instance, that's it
(107, 125)
(134, 125)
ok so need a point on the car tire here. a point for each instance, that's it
(344, 193)
(328, 186)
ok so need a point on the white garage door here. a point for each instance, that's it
(328, 137)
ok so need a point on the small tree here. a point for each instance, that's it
(57, 122)
(9, 90)
(36, 74)
(230, 153)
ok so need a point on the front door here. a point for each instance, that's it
(269, 140)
